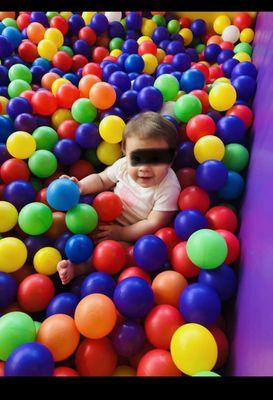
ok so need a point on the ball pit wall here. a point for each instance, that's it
(252, 336)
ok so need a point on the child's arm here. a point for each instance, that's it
(94, 183)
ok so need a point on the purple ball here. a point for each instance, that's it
(75, 285)
(4, 154)
(193, 54)
(67, 151)
(215, 115)
(121, 80)
(189, 221)
(143, 81)
(116, 29)
(42, 120)
(150, 99)
(181, 62)
(230, 129)
(87, 199)
(159, 34)
(25, 122)
(18, 105)
(109, 69)
(128, 338)
(87, 135)
(99, 23)
(19, 193)
(128, 102)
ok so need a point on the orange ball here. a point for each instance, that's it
(102, 95)
(215, 39)
(35, 32)
(60, 335)
(7, 14)
(95, 316)
(168, 286)
(58, 226)
(48, 79)
(86, 82)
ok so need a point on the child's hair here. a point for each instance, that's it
(151, 125)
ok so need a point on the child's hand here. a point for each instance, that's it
(107, 232)
(73, 179)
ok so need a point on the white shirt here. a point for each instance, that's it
(138, 201)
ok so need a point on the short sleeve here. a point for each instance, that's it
(167, 200)
(113, 172)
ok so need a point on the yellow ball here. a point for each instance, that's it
(247, 35)
(193, 349)
(205, 63)
(124, 370)
(87, 16)
(66, 14)
(116, 52)
(8, 216)
(179, 94)
(222, 96)
(143, 39)
(4, 101)
(111, 129)
(55, 35)
(47, 49)
(148, 26)
(108, 153)
(21, 145)
(187, 35)
(13, 254)
(58, 83)
(150, 63)
(222, 79)
(60, 116)
(160, 54)
(209, 147)
(221, 23)
(242, 56)
(46, 259)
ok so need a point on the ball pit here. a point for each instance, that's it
(69, 83)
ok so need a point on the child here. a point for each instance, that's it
(143, 179)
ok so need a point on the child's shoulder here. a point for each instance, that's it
(170, 179)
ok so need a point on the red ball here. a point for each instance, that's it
(199, 126)
(44, 103)
(203, 97)
(27, 94)
(99, 53)
(243, 112)
(157, 362)
(233, 245)
(130, 260)
(181, 262)
(96, 357)
(160, 325)
(81, 169)
(186, 177)
(242, 20)
(62, 60)
(215, 72)
(65, 371)
(108, 206)
(221, 217)
(60, 23)
(78, 61)
(194, 197)
(56, 175)
(35, 292)
(203, 68)
(28, 51)
(168, 58)
(222, 345)
(23, 21)
(66, 95)
(185, 22)
(226, 46)
(88, 34)
(93, 69)
(148, 46)
(109, 256)
(169, 237)
(2, 189)
(67, 129)
(41, 196)
(134, 271)
(111, 58)
(14, 170)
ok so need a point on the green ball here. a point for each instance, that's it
(206, 373)
(91, 156)
(159, 20)
(168, 86)
(245, 47)
(199, 47)
(236, 157)
(17, 86)
(173, 26)
(42, 163)
(16, 328)
(195, 42)
(51, 14)
(123, 23)
(36, 183)
(207, 249)
(82, 218)
(45, 138)
(20, 71)
(10, 22)
(35, 218)
(186, 107)
(37, 326)
(67, 49)
(116, 43)
(83, 111)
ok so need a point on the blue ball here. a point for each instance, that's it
(222, 279)
(67, 151)
(99, 23)
(13, 35)
(4, 77)
(143, 81)
(244, 68)
(8, 289)
(224, 56)
(172, 120)
(189, 221)
(75, 24)
(109, 69)
(57, 71)
(42, 62)
(133, 76)
(200, 304)
(191, 80)
(18, 105)
(82, 47)
(230, 129)
(30, 359)
(121, 60)
(34, 244)
(215, 115)
(211, 52)
(128, 102)
(113, 111)
(121, 80)
(193, 54)
(130, 46)
(39, 16)
(181, 62)
(164, 68)
(175, 47)
(134, 297)
(134, 63)
(37, 74)
(128, 338)
(233, 187)
(211, 175)
(133, 21)
(62, 194)
(131, 34)
(245, 87)
(63, 303)
(177, 74)
(25, 122)
(116, 29)
(159, 34)
(98, 282)
(87, 135)
(73, 78)
(150, 99)
(228, 66)
(164, 44)
(19, 193)
(185, 156)
(10, 61)
(198, 27)
(150, 252)
(6, 128)
(60, 242)
(6, 48)
(4, 154)
(79, 248)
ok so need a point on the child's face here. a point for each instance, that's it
(146, 175)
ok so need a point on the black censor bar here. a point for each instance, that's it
(152, 156)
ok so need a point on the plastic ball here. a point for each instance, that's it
(187, 107)
(134, 63)
(46, 259)
(220, 23)
(212, 52)
(21, 145)
(8, 290)
(247, 35)
(109, 257)
(128, 338)
(63, 194)
(78, 248)
(47, 49)
(236, 157)
(231, 129)
(65, 372)
(209, 147)
(63, 303)
(245, 87)
(211, 175)
(220, 217)
(233, 187)
(98, 282)
(231, 34)
(81, 219)
(45, 138)
(25, 122)
(108, 206)
(13, 254)
(191, 80)
(199, 126)
(134, 271)
(150, 252)
(150, 63)
(111, 129)
(83, 111)
(221, 279)
(108, 153)
(189, 221)
(42, 163)
(102, 95)
(222, 97)
(157, 362)
(20, 71)
(44, 103)
(168, 86)
(35, 218)
(167, 287)
(233, 245)
(8, 216)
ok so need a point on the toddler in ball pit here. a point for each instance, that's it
(144, 181)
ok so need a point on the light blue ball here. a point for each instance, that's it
(63, 194)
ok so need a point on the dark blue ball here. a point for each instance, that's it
(114, 111)
(215, 115)
(121, 80)
(233, 187)
(222, 279)
(211, 52)
(244, 68)
(75, 23)
(25, 122)
(128, 102)
(67, 151)
(128, 338)
(87, 135)
(198, 27)
(19, 193)
(181, 62)
(73, 78)
(133, 21)
(4, 154)
(99, 23)
(245, 87)
(57, 71)
(164, 44)
(159, 34)
(82, 47)
(6, 128)
(109, 69)
(13, 35)
(39, 16)
(10, 61)
(231, 129)
(150, 252)
(79, 248)
(8, 289)
(63, 303)
(211, 175)
(175, 47)
(116, 29)
(189, 221)
(191, 80)
(121, 60)
(98, 282)
(143, 81)
(60, 242)
(133, 76)
(193, 54)
(131, 34)
(37, 74)
(42, 62)
(4, 77)
(18, 105)
(130, 46)
(150, 99)
(224, 56)
(164, 68)
(185, 156)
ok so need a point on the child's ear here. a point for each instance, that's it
(123, 147)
